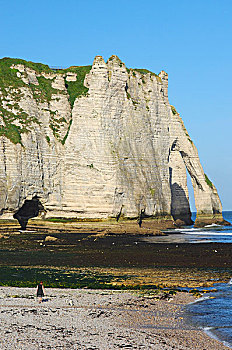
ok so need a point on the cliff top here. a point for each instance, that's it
(7, 62)
(45, 84)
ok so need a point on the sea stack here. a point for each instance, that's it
(97, 142)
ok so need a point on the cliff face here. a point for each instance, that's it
(96, 142)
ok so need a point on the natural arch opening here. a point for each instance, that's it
(180, 206)
(30, 209)
(191, 197)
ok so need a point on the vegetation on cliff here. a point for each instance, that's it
(15, 120)
(146, 71)
(77, 88)
(174, 111)
(207, 180)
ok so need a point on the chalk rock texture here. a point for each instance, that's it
(116, 148)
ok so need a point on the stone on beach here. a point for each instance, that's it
(50, 239)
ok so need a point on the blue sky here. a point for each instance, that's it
(190, 40)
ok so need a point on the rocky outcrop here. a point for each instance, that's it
(97, 142)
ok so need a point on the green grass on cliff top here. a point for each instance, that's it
(10, 84)
(146, 71)
(8, 78)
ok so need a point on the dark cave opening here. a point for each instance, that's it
(29, 209)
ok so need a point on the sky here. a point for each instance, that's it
(190, 40)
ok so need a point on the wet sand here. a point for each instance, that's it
(87, 319)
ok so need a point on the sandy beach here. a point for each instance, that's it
(97, 319)
(104, 318)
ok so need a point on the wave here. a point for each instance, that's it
(209, 332)
(186, 229)
(202, 241)
(200, 300)
(208, 233)
(212, 225)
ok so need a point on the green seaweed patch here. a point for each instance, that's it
(68, 278)
(67, 220)
(57, 278)
(62, 220)
(209, 183)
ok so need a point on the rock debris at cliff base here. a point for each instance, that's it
(98, 141)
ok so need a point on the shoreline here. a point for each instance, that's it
(98, 227)
(151, 226)
(77, 249)
(98, 319)
(82, 257)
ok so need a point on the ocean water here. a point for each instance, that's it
(214, 312)
(210, 233)
(189, 234)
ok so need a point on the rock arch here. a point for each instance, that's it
(184, 157)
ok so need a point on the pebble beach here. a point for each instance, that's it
(97, 319)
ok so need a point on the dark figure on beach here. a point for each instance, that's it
(140, 218)
(40, 292)
(29, 210)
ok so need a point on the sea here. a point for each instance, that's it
(213, 313)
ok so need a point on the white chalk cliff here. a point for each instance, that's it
(117, 147)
